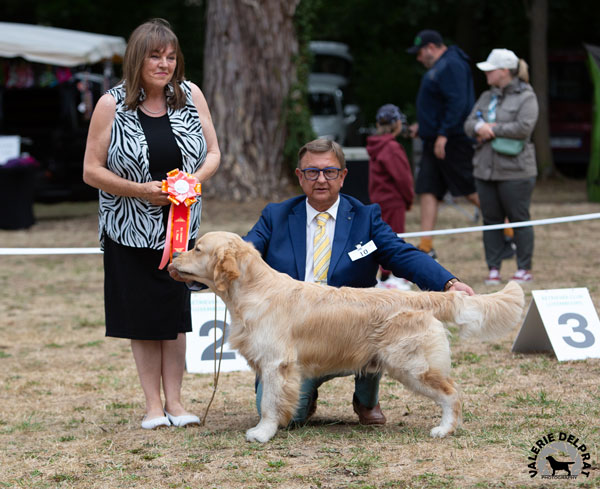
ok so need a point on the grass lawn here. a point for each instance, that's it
(71, 404)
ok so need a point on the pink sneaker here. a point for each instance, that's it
(394, 283)
(493, 277)
(521, 276)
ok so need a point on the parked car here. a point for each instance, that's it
(330, 93)
(329, 117)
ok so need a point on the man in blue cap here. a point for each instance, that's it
(444, 101)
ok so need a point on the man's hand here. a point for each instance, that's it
(439, 149)
(461, 287)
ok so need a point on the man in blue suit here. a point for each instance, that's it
(358, 242)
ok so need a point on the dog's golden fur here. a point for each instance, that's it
(288, 330)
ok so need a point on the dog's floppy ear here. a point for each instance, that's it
(226, 270)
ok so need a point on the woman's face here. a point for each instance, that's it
(158, 67)
(498, 78)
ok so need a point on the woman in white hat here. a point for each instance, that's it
(505, 169)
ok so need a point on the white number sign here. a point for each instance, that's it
(203, 348)
(563, 321)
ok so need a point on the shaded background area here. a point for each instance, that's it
(377, 34)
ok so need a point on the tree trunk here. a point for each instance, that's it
(248, 71)
(538, 49)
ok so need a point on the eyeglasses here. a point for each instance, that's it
(330, 173)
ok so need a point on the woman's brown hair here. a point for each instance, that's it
(154, 35)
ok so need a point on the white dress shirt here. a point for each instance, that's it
(311, 229)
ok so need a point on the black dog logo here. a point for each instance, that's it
(558, 465)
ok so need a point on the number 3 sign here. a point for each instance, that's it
(563, 321)
(203, 348)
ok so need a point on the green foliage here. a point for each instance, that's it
(297, 118)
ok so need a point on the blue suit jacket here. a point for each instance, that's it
(280, 236)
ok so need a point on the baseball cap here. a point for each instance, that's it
(499, 58)
(389, 113)
(425, 37)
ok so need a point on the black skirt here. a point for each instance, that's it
(142, 302)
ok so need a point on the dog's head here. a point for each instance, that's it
(213, 260)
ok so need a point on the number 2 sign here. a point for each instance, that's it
(563, 321)
(205, 340)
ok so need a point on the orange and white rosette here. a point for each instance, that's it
(183, 189)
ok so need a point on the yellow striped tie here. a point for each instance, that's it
(322, 249)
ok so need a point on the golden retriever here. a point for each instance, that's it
(288, 330)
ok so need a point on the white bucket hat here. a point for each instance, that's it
(499, 58)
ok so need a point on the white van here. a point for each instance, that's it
(332, 63)
(329, 117)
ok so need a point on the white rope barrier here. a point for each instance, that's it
(471, 229)
(50, 251)
(491, 227)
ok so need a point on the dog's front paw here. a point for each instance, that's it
(439, 432)
(259, 434)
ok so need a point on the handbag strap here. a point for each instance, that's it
(492, 108)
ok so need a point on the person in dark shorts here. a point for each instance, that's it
(452, 174)
(153, 122)
(445, 98)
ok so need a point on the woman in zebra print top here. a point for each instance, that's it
(152, 122)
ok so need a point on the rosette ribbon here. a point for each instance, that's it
(183, 189)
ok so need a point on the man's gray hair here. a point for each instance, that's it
(323, 146)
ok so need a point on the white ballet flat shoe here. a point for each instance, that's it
(183, 420)
(152, 424)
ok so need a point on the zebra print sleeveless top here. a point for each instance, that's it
(129, 220)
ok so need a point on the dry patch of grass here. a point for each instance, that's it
(70, 402)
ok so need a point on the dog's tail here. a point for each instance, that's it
(487, 316)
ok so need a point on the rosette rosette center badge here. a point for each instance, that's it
(183, 189)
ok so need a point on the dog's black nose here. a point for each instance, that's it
(176, 254)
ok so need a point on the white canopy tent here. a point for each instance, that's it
(55, 46)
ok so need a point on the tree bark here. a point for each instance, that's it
(538, 48)
(248, 71)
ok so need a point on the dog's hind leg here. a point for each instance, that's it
(280, 390)
(442, 390)
(424, 368)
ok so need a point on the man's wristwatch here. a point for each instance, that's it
(450, 283)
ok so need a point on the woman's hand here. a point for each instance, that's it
(485, 132)
(153, 193)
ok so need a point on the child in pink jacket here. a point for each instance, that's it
(390, 176)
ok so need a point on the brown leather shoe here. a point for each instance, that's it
(367, 416)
